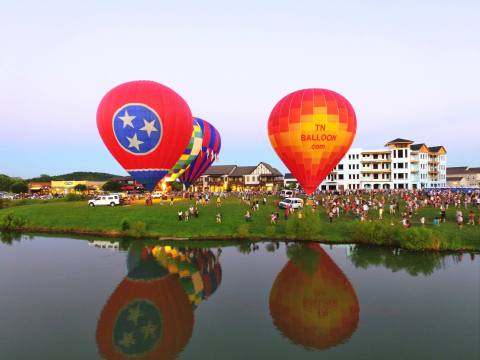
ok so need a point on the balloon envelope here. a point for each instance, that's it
(145, 126)
(211, 145)
(189, 154)
(148, 316)
(312, 302)
(311, 130)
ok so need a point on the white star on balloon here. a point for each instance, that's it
(134, 142)
(127, 119)
(149, 127)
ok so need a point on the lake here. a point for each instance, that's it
(68, 298)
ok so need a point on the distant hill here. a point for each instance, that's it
(77, 175)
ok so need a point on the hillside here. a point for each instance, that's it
(77, 175)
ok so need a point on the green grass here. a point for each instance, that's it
(162, 221)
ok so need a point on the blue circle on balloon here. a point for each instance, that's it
(137, 128)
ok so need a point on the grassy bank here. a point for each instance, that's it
(161, 221)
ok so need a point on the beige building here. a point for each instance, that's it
(463, 176)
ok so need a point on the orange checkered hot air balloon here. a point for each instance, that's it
(311, 130)
(311, 301)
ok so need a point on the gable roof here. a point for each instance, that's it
(289, 176)
(243, 170)
(270, 168)
(399, 140)
(436, 148)
(417, 147)
(220, 170)
(457, 170)
(454, 178)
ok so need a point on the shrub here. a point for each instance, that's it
(12, 222)
(270, 231)
(302, 229)
(125, 225)
(243, 230)
(74, 197)
(421, 239)
(137, 229)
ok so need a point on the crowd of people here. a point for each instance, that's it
(403, 206)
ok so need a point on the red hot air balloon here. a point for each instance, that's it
(311, 130)
(145, 126)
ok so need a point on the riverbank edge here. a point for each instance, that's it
(116, 234)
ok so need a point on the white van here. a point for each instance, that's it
(286, 193)
(294, 203)
(110, 200)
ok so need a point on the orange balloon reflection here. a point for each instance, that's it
(312, 302)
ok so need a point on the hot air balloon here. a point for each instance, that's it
(189, 154)
(148, 316)
(311, 130)
(312, 302)
(146, 127)
(198, 270)
(210, 149)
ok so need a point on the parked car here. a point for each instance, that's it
(286, 193)
(109, 200)
(294, 203)
(157, 195)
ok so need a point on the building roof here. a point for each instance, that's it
(122, 178)
(474, 170)
(220, 170)
(454, 178)
(436, 148)
(417, 147)
(399, 140)
(273, 170)
(289, 176)
(457, 170)
(243, 170)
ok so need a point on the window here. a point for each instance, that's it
(340, 176)
(400, 165)
(400, 153)
(375, 176)
(340, 167)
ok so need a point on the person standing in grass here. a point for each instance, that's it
(273, 219)
(219, 202)
(380, 211)
(471, 218)
(171, 200)
(443, 216)
(218, 218)
(248, 216)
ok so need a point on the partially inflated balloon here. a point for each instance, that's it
(311, 130)
(189, 154)
(210, 149)
(312, 302)
(145, 126)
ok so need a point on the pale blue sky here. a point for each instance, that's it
(409, 68)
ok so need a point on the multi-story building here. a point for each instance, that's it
(400, 165)
(262, 177)
(463, 176)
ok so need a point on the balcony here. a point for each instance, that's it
(375, 171)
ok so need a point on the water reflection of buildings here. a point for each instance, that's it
(311, 301)
(102, 244)
(150, 313)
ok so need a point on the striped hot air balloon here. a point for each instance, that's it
(189, 154)
(209, 153)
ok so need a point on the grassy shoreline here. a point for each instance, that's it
(160, 222)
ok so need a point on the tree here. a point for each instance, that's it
(112, 186)
(19, 187)
(5, 182)
(176, 186)
(80, 187)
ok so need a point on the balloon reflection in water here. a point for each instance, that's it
(150, 313)
(311, 301)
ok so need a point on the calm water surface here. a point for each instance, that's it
(66, 298)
